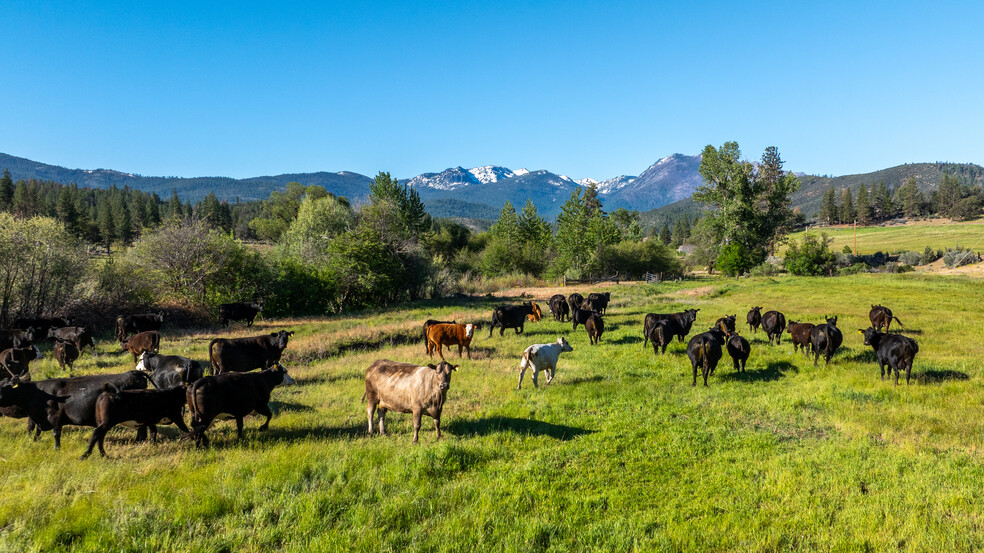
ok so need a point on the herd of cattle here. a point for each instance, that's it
(162, 387)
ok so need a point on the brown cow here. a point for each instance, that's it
(15, 361)
(536, 315)
(799, 333)
(140, 342)
(882, 316)
(449, 335)
(66, 353)
(754, 318)
(595, 326)
(146, 408)
(431, 322)
(407, 388)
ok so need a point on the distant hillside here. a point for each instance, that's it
(451, 208)
(812, 187)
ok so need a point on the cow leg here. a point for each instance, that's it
(153, 433)
(97, 438)
(521, 373)
(370, 413)
(502, 331)
(459, 352)
(536, 371)
(265, 410)
(519, 329)
(382, 421)
(142, 434)
(663, 349)
(239, 428)
(705, 371)
(694, 384)
(416, 423)
(468, 349)
(550, 373)
(437, 426)
(735, 361)
(881, 366)
(908, 373)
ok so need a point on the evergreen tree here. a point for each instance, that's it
(591, 200)
(175, 211)
(678, 237)
(208, 210)
(883, 201)
(152, 211)
(6, 192)
(863, 205)
(847, 212)
(532, 229)
(105, 222)
(574, 247)
(122, 220)
(948, 194)
(828, 207)
(506, 228)
(664, 235)
(68, 212)
(909, 198)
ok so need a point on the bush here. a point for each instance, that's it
(812, 258)
(929, 256)
(853, 269)
(765, 269)
(910, 258)
(846, 250)
(632, 260)
(959, 257)
(894, 267)
(736, 259)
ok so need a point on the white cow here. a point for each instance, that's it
(542, 357)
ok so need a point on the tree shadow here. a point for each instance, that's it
(939, 376)
(772, 372)
(494, 425)
(328, 378)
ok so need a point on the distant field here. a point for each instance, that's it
(619, 453)
(914, 236)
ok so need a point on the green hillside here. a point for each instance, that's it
(910, 237)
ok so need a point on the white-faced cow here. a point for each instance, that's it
(167, 371)
(542, 357)
(407, 388)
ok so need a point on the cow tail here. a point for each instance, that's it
(194, 403)
(526, 359)
(112, 389)
(211, 358)
(897, 320)
(706, 354)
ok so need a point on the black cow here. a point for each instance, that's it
(510, 316)
(684, 321)
(239, 312)
(246, 354)
(727, 324)
(66, 353)
(16, 361)
(76, 399)
(41, 324)
(661, 333)
(581, 316)
(754, 319)
(167, 371)
(595, 326)
(599, 302)
(17, 338)
(825, 338)
(882, 316)
(892, 350)
(574, 301)
(704, 350)
(773, 323)
(132, 324)
(235, 394)
(146, 408)
(558, 306)
(78, 335)
(739, 350)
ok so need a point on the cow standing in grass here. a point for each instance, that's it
(684, 321)
(727, 324)
(595, 326)
(449, 335)
(800, 333)
(510, 316)
(542, 357)
(754, 319)
(407, 388)
(704, 351)
(739, 349)
(558, 306)
(825, 338)
(882, 316)
(773, 323)
(893, 351)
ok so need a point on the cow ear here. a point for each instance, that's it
(291, 333)
(860, 331)
(455, 367)
(432, 366)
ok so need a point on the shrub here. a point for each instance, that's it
(765, 269)
(959, 257)
(632, 260)
(736, 259)
(847, 250)
(853, 269)
(910, 258)
(929, 256)
(812, 258)
(894, 267)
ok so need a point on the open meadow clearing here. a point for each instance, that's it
(618, 453)
(938, 234)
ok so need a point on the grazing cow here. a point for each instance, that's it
(233, 394)
(145, 408)
(773, 323)
(407, 388)
(704, 351)
(239, 311)
(431, 322)
(17, 338)
(581, 316)
(599, 302)
(661, 334)
(542, 357)
(800, 333)
(684, 321)
(16, 360)
(893, 351)
(66, 353)
(76, 399)
(246, 354)
(825, 338)
(41, 324)
(449, 335)
(574, 301)
(510, 316)
(78, 335)
(558, 306)
(132, 324)
(738, 349)
(882, 316)
(595, 327)
(536, 315)
(168, 371)
(727, 324)
(141, 342)
(754, 319)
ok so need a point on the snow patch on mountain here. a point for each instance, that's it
(611, 185)
(491, 173)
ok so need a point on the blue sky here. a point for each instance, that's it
(587, 89)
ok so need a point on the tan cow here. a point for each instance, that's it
(407, 388)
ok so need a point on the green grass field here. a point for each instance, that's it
(914, 237)
(619, 453)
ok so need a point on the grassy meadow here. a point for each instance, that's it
(936, 234)
(619, 453)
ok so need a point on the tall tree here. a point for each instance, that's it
(574, 247)
(68, 211)
(175, 212)
(847, 211)
(828, 207)
(532, 229)
(506, 228)
(883, 201)
(123, 220)
(664, 235)
(591, 201)
(863, 205)
(106, 222)
(6, 191)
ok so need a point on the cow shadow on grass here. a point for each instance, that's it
(771, 372)
(914, 331)
(934, 376)
(279, 407)
(584, 380)
(528, 427)
(329, 378)
(626, 340)
(866, 355)
(305, 433)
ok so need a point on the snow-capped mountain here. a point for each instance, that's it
(670, 179)
(611, 185)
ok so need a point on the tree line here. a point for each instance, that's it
(878, 202)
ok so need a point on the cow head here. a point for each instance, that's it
(257, 306)
(692, 313)
(832, 321)
(281, 338)
(789, 325)
(469, 330)
(287, 379)
(141, 365)
(443, 372)
(125, 345)
(871, 336)
(564, 346)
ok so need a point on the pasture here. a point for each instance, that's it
(619, 453)
(938, 234)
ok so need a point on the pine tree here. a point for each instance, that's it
(122, 220)
(6, 192)
(208, 210)
(828, 207)
(863, 205)
(664, 235)
(883, 201)
(152, 210)
(68, 212)
(506, 228)
(532, 229)
(591, 200)
(174, 209)
(847, 212)
(105, 223)
(678, 237)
